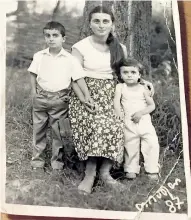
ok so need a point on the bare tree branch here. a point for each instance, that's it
(56, 9)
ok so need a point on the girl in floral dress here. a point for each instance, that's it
(96, 131)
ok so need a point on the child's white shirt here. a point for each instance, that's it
(132, 100)
(54, 73)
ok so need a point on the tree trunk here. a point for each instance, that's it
(122, 18)
(170, 31)
(133, 22)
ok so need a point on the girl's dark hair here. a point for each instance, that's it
(55, 25)
(130, 62)
(115, 47)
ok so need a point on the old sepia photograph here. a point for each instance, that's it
(95, 114)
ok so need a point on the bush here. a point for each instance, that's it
(167, 117)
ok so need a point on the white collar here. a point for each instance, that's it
(61, 53)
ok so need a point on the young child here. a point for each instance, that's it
(139, 131)
(52, 71)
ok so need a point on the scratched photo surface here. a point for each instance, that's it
(147, 30)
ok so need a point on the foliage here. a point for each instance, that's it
(166, 117)
(24, 31)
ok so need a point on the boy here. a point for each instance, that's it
(52, 71)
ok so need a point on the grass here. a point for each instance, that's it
(23, 187)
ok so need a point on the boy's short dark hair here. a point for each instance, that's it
(129, 62)
(55, 25)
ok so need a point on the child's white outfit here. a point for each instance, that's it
(138, 134)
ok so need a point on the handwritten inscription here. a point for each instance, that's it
(172, 186)
(164, 191)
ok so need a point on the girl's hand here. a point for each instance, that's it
(118, 115)
(90, 105)
(88, 99)
(136, 117)
(148, 86)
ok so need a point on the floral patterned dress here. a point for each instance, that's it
(99, 134)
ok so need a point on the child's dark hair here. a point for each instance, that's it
(55, 25)
(129, 62)
(114, 46)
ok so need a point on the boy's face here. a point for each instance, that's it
(53, 38)
(130, 74)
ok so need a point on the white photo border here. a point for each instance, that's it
(90, 213)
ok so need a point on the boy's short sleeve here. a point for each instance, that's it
(77, 70)
(34, 64)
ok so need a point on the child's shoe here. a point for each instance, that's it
(153, 176)
(131, 175)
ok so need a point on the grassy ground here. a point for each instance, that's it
(23, 187)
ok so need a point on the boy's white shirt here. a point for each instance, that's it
(54, 73)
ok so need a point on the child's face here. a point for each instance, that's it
(130, 74)
(54, 38)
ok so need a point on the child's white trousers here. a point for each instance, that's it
(142, 136)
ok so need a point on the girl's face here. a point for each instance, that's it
(101, 24)
(130, 74)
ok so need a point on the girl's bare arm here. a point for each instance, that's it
(80, 84)
(80, 87)
(78, 91)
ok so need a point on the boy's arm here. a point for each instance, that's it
(33, 69)
(117, 101)
(33, 83)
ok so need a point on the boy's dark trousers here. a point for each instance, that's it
(49, 108)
